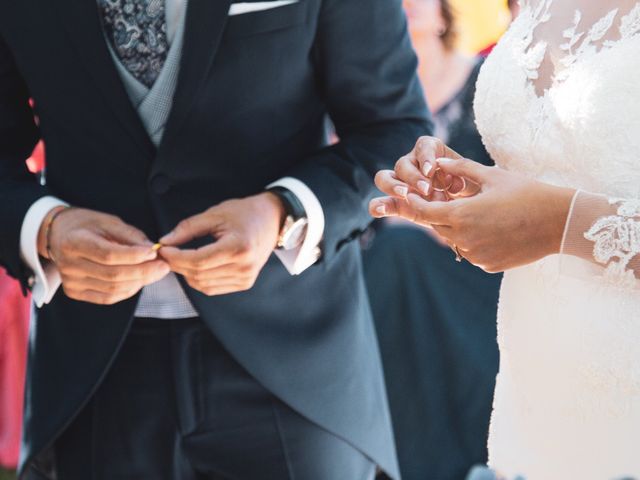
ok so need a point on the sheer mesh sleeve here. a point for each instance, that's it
(606, 232)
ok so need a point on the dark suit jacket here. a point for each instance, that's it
(253, 95)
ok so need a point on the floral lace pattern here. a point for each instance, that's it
(579, 44)
(533, 55)
(617, 241)
(588, 45)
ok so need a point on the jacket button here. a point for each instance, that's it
(160, 184)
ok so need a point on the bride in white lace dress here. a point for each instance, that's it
(558, 105)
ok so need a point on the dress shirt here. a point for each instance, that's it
(166, 299)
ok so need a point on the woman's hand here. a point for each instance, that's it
(513, 221)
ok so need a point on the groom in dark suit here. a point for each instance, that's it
(203, 124)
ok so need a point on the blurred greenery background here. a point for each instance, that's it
(5, 475)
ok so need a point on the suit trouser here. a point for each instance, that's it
(176, 405)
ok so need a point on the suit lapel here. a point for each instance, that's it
(205, 23)
(83, 26)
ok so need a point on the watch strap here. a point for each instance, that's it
(292, 205)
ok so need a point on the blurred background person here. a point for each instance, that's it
(440, 370)
(514, 8)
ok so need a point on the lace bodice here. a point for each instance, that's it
(562, 37)
(559, 100)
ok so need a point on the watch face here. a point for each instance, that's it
(293, 234)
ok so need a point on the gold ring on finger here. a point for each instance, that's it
(439, 181)
(459, 193)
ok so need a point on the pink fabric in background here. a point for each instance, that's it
(14, 332)
(14, 328)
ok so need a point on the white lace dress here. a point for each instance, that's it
(559, 101)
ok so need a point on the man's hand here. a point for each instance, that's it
(245, 232)
(100, 258)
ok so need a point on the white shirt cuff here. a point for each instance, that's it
(298, 260)
(47, 278)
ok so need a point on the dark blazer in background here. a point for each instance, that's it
(436, 321)
(250, 107)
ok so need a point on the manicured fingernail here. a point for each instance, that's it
(401, 191)
(426, 168)
(424, 187)
(445, 160)
(381, 210)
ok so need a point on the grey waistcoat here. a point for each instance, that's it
(166, 298)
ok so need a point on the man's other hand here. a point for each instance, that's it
(245, 233)
(101, 259)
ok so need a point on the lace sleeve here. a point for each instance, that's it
(606, 232)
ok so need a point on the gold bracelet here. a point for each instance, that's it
(48, 228)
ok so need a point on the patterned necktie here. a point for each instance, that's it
(137, 31)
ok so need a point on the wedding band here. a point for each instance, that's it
(437, 186)
(459, 256)
(460, 192)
